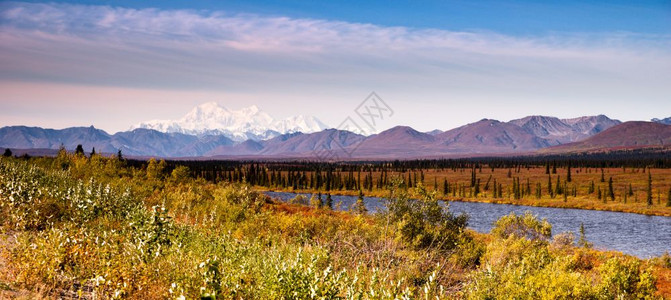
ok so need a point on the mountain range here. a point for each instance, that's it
(137, 142)
(213, 131)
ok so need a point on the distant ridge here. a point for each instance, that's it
(490, 136)
(634, 134)
(485, 137)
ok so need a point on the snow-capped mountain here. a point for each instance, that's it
(666, 121)
(561, 131)
(239, 125)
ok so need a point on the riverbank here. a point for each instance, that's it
(570, 202)
(626, 232)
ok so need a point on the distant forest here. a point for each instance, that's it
(264, 172)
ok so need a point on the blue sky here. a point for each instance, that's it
(509, 17)
(439, 64)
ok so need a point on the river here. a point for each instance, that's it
(635, 234)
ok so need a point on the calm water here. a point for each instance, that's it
(640, 235)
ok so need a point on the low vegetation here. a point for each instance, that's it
(96, 227)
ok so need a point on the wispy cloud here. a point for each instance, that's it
(187, 49)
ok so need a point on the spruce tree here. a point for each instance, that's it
(611, 193)
(568, 174)
(473, 177)
(409, 181)
(79, 150)
(582, 241)
(329, 201)
(8, 153)
(359, 206)
(649, 189)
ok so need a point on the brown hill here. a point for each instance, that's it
(399, 141)
(634, 134)
(489, 136)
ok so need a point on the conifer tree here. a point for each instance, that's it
(611, 193)
(582, 241)
(649, 189)
(359, 206)
(329, 201)
(473, 176)
(79, 151)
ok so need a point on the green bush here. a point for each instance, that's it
(422, 222)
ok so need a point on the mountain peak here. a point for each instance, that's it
(246, 123)
(666, 121)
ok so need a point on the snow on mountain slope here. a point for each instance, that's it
(665, 121)
(591, 125)
(240, 125)
(557, 131)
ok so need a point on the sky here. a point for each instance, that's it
(437, 64)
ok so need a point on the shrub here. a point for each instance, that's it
(563, 240)
(422, 222)
(525, 226)
(624, 279)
